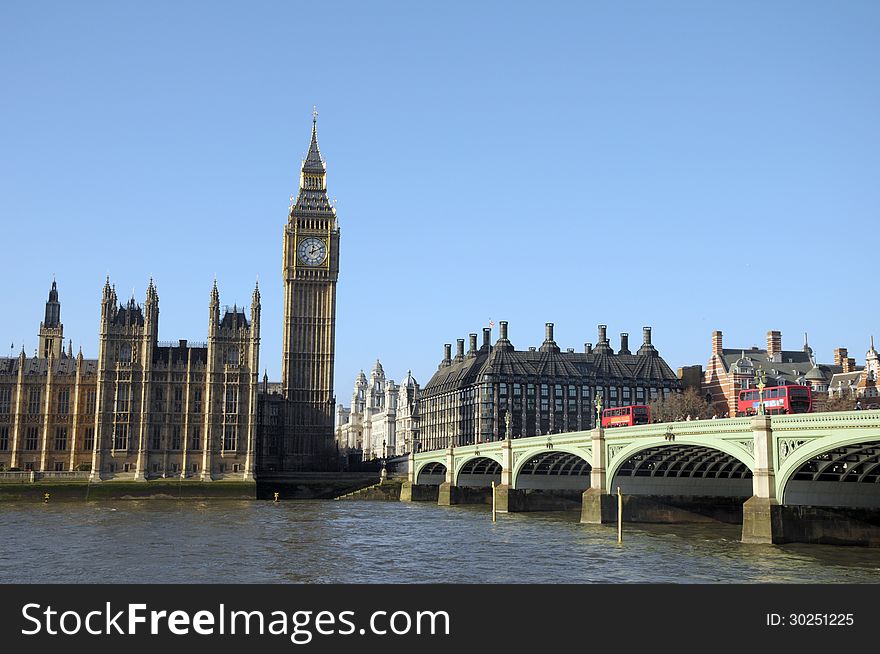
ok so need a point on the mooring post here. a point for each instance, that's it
(619, 516)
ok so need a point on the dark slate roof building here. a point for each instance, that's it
(544, 389)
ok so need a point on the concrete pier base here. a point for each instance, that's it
(514, 500)
(598, 507)
(762, 521)
(447, 494)
(410, 492)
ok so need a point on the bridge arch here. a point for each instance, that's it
(431, 473)
(686, 468)
(559, 468)
(478, 471)
(832, 471)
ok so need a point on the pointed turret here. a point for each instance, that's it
(314, 163)
(53, 308)
(214, 309)
(51, 334)
(312, 195)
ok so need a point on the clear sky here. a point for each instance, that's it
(686, 165)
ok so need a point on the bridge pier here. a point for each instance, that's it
(762, 513)
(598, 506)
(447, 494)
(410, 492)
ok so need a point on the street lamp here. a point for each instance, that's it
(760, 382)
(598, 404)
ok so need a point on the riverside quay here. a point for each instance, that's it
(788, 478)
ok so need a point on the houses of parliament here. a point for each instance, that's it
(147, 409)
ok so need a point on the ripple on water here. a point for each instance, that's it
(371, 542)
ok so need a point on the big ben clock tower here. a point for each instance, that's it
(311, 268)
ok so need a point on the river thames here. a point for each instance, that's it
(385, 542)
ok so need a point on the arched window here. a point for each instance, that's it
(232, 356)
(125, 352)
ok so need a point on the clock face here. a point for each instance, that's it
(312, 251)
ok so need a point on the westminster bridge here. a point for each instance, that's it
(788, 478)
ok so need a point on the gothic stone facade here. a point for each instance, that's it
(545, 390)
(143, 409)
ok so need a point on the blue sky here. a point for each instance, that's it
(686, 165)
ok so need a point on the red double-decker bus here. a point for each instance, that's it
(626, 416)
(777, 399)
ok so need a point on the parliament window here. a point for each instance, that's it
(64, 401)
(232, 400)
(5, 395)
(120, 437)
(61, 438)
(194, 438)
(91, 401)
(122, 398)
(4, 439)
(89, 439)
(178, 399)
(175, 437)
(159, 399)
(30, 439)
(230, 437)
(156, 441)
(34, 401)
(197, 400)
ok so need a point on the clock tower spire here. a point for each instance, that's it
(310, 271)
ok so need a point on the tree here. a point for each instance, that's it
(840, 403)
(679, 406)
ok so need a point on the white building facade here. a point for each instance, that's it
(383, 418)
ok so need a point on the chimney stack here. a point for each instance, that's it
(502, 328)
(487, 338)
(473, 349)
(588, 348)
(840, 356)
(624, 343)
(447, 354)
(646, 335)
(548, 331)
(774, 345)
(459, 350)
(603, 337)
(717, 344)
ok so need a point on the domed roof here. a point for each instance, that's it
(816, 374)
(744, 364)
(408, 381)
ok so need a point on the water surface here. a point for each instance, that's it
(385, 542)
